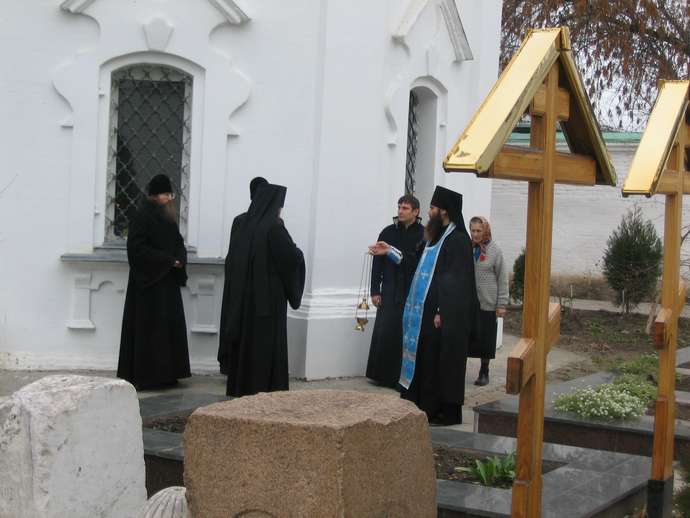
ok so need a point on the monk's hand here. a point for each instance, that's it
(177, 264)
(379, 248)
(376, 300)
(437, 321)
(500, 312)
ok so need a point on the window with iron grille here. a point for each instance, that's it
(412, 132)
(150, 134)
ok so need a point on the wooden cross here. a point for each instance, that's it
(543, 79)
(659, 167)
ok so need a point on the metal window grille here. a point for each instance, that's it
(150, 134)
(412, 134)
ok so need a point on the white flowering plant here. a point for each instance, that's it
(609, 401)
(637, 386)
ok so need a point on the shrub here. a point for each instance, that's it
(607, 401)
(517, 283)
(632, 260)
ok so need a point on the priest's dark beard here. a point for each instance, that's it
(169, 211)
(433, 228)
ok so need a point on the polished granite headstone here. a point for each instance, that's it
(586, 483)
(634, 436)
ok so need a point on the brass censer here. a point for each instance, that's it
(362, 308)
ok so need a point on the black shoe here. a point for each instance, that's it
(482, 379)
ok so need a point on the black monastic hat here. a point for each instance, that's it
(159, 184)
(448, 200)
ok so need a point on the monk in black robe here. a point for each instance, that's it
(265, 270)
(439, 312)
(153, 344)
(389, 285)
(222, 343)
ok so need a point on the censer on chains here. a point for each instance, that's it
(362, 308)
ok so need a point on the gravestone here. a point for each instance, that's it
(310, 453)
(71, 446)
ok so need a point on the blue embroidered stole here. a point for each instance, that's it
(414, 307)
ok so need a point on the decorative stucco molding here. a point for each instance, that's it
(75, 6)
(329, 303)
(389, 100)
(453, 22)
(158, 32)
(456, 31)
(232, 12)
(205, 316)
(230, 9)
(84, 284)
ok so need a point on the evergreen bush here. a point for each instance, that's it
(632, 260)
(517, 283)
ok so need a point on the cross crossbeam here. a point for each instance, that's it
(527, 164)
(666, 317)
(521, 359)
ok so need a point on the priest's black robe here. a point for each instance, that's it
(264, 271)
(391, 281)
(438, 385)
(153, 344)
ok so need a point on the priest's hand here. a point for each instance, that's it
(437, 321)
(379, 248)
(177, 264)
(376, 300)
(500, 312)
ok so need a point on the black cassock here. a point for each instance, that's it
(264, 271)
(391, 282)
(438, 385)
(153, 344)
(223, 342)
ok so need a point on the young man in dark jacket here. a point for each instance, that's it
(389, 285)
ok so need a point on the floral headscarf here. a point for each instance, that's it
(486, 236)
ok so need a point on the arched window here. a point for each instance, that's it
(420, 164)
(150, 134)
(412, 128)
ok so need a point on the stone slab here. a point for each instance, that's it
(310, 453)
(71, 446)
(585, 482)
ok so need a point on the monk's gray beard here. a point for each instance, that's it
(433, 228)
(169, 211)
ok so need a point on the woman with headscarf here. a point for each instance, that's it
(491, 275)
(264, 271)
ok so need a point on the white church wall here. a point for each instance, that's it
(362, 164)
(313, 96)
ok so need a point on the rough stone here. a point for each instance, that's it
(71, 446)
(310, 453)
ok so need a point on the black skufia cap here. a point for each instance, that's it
(159, 184)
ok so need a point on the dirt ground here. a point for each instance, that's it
(604, 338)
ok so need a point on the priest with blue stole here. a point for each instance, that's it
(440, 311)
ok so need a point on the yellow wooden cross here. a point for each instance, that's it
(542, 78)
(659, 166)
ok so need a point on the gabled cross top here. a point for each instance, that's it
(659, 167)
(542, 79)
